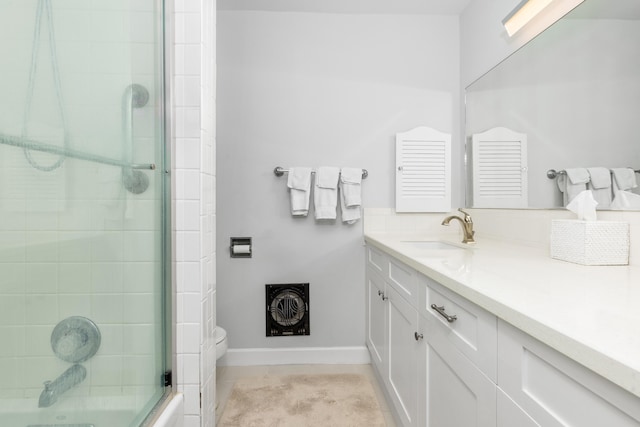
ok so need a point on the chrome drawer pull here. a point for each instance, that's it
(441, 312)
(381, 294)
(418, 336)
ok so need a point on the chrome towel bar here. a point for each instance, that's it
(279, 171)
(552, 173)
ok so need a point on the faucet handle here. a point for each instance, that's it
(467, 217)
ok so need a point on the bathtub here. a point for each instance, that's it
(25, 413)
(94, 412)
(172, 414)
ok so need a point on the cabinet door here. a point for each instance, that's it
(510, 414)
(457, 393)
(555, 390)
(376, 320)
(404, 351)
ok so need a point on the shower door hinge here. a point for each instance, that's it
(166, 378)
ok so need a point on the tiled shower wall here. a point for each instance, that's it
(194, 142)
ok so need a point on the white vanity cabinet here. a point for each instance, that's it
(446, 362)
(376, 324)
(429, 380)
(459, 360)
(392, 322)
(510, 414)
(555, 391)
(404, 358)
(457, 393)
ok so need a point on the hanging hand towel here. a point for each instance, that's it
(573, 183)
(325, 192)
(299, 183)
(600, 186)
(350, 191)
(623, 179)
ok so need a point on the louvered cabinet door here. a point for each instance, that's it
(499, 169)
(423, 171)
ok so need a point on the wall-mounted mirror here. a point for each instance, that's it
(573, 92)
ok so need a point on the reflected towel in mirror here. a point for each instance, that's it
(600, 186)
(573, 183)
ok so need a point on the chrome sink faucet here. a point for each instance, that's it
(467, 226)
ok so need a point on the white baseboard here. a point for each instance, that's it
(295, 356)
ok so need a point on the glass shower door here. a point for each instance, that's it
(82, 212)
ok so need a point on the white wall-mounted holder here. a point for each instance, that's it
(423, 171)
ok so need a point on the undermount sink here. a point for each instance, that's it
(433, 245)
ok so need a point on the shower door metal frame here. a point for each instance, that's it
(165, 67)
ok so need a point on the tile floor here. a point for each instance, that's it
(227, 375)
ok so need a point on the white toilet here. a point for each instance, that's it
(221, 342)
(221, 348)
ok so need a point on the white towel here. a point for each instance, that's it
(325, 192)
(299, 183)
(600, 186)
(350, 191)
(351, 179)
(623, 179)
(626, 200)
(573, 183)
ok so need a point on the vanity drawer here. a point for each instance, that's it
(404, 280)
(377, 261)
(468, 327)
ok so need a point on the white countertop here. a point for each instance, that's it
(589, 313)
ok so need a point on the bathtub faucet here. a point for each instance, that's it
(467, 226)
(54, 389)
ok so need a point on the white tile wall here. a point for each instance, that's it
(194, 125)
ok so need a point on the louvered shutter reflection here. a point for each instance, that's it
(499, 169)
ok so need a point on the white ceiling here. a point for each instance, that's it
(428, 7)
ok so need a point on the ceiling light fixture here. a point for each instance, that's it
(529, 9)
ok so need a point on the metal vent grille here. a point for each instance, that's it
(287, 309)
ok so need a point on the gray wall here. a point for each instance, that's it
(302, 89)
(484, 41)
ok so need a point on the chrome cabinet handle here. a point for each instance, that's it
(418, 336)
(381, 294)
(441, 312)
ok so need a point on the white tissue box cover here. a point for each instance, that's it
(590, 242)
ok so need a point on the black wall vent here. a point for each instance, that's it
(287, 309)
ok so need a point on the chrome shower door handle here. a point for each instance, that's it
(442, 313)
